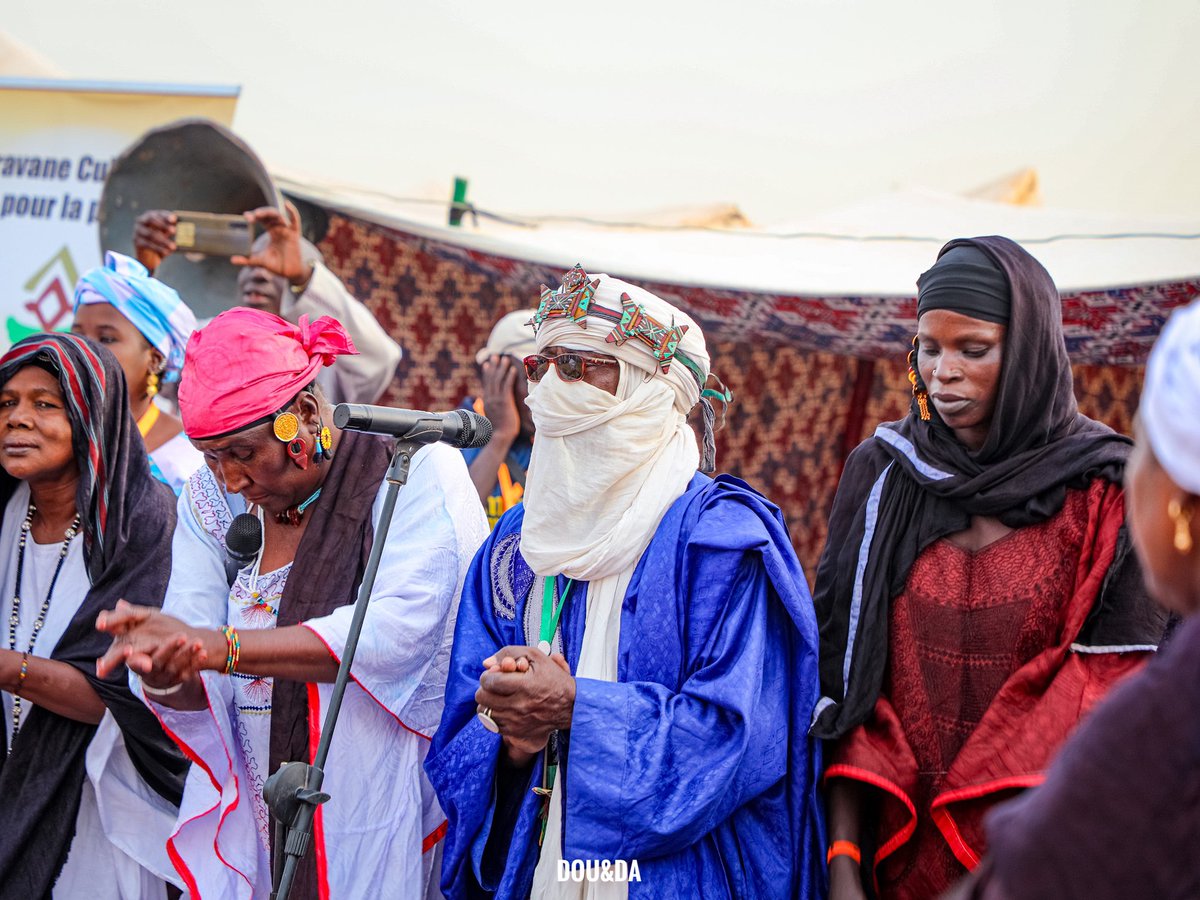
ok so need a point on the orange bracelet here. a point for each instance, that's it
(844, 848)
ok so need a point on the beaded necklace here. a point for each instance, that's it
(293, 514)
(15, 619)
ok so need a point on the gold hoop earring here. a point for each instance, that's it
(152, 384)
(1183, 526)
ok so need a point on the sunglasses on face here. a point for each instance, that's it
(571, 366)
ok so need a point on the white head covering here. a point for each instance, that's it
(605, 468)
(1170, 407)
(511, 336)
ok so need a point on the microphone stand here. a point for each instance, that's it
(293, 793)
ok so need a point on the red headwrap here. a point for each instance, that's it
(247, 364)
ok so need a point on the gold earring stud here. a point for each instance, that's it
(1183, 526)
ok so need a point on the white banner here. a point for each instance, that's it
(57, 141)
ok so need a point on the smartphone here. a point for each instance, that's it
(212, 234)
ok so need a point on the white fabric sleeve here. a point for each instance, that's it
(404, 650)
(361, 378)
(197, 592)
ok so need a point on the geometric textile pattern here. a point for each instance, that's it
(810, 376)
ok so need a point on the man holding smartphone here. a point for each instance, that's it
(284, 275)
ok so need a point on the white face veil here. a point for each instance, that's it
(1170, 407)
(605, 468)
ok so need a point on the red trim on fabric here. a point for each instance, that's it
(900, 838)
(946, 824)
(432, 839)
(314, 738)
(361, 685)
(958, 846)
(237, 798)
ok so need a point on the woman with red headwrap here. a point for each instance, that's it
(240, 674)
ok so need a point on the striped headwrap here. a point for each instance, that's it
(107, 446)
(127, 522)
(154, 308)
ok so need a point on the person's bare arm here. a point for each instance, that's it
(845, 814)
(52, 685)
(166, 652)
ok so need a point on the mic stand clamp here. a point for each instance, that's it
(293, 793)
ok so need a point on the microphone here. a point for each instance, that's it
(242, 543)
(458, 428)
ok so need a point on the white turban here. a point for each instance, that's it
(1170, 408)
(606, 467)
(565, 331)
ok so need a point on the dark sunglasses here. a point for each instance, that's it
(571, 366)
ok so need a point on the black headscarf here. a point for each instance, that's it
(127, 522)
(914, 482)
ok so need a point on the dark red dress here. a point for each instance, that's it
(981, 687)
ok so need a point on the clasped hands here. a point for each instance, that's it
(161, 649)
(528, 695)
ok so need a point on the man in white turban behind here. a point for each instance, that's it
(634, 665)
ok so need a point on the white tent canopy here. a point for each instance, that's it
(875, 248)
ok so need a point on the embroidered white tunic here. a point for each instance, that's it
(379, 834)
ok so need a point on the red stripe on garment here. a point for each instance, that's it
(432, 839)
(383, 706)
(946, 824)
(191, 754)
(314, 738)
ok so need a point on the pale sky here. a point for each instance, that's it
(783, 108)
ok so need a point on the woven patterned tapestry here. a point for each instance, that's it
(811, 376)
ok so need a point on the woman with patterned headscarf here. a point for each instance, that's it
(86, 774)
(240, 663)
(146, 326)
(977, 593)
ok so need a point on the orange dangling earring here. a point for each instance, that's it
(1183, 526)
(918, 389)
(152, 384)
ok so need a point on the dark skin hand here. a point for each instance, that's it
(165, 651)
(500, 377)
(530, 695)
(281, 252)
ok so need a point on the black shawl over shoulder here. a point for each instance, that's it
(914, 482)
(128, 519)
(329, 567)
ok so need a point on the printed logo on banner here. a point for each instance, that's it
(49, 296)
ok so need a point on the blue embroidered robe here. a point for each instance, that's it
(697, 761)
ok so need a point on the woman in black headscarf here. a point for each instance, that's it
(976, 594)
(82, 524)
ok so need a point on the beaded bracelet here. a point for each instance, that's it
(233, 648)
(24, 672)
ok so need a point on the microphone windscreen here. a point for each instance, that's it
(245, 536)
(476, 430)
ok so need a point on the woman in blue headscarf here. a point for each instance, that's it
(146, 326)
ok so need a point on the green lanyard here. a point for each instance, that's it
(550, 614)
(550, 617)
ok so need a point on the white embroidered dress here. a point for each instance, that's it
(378, 835)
